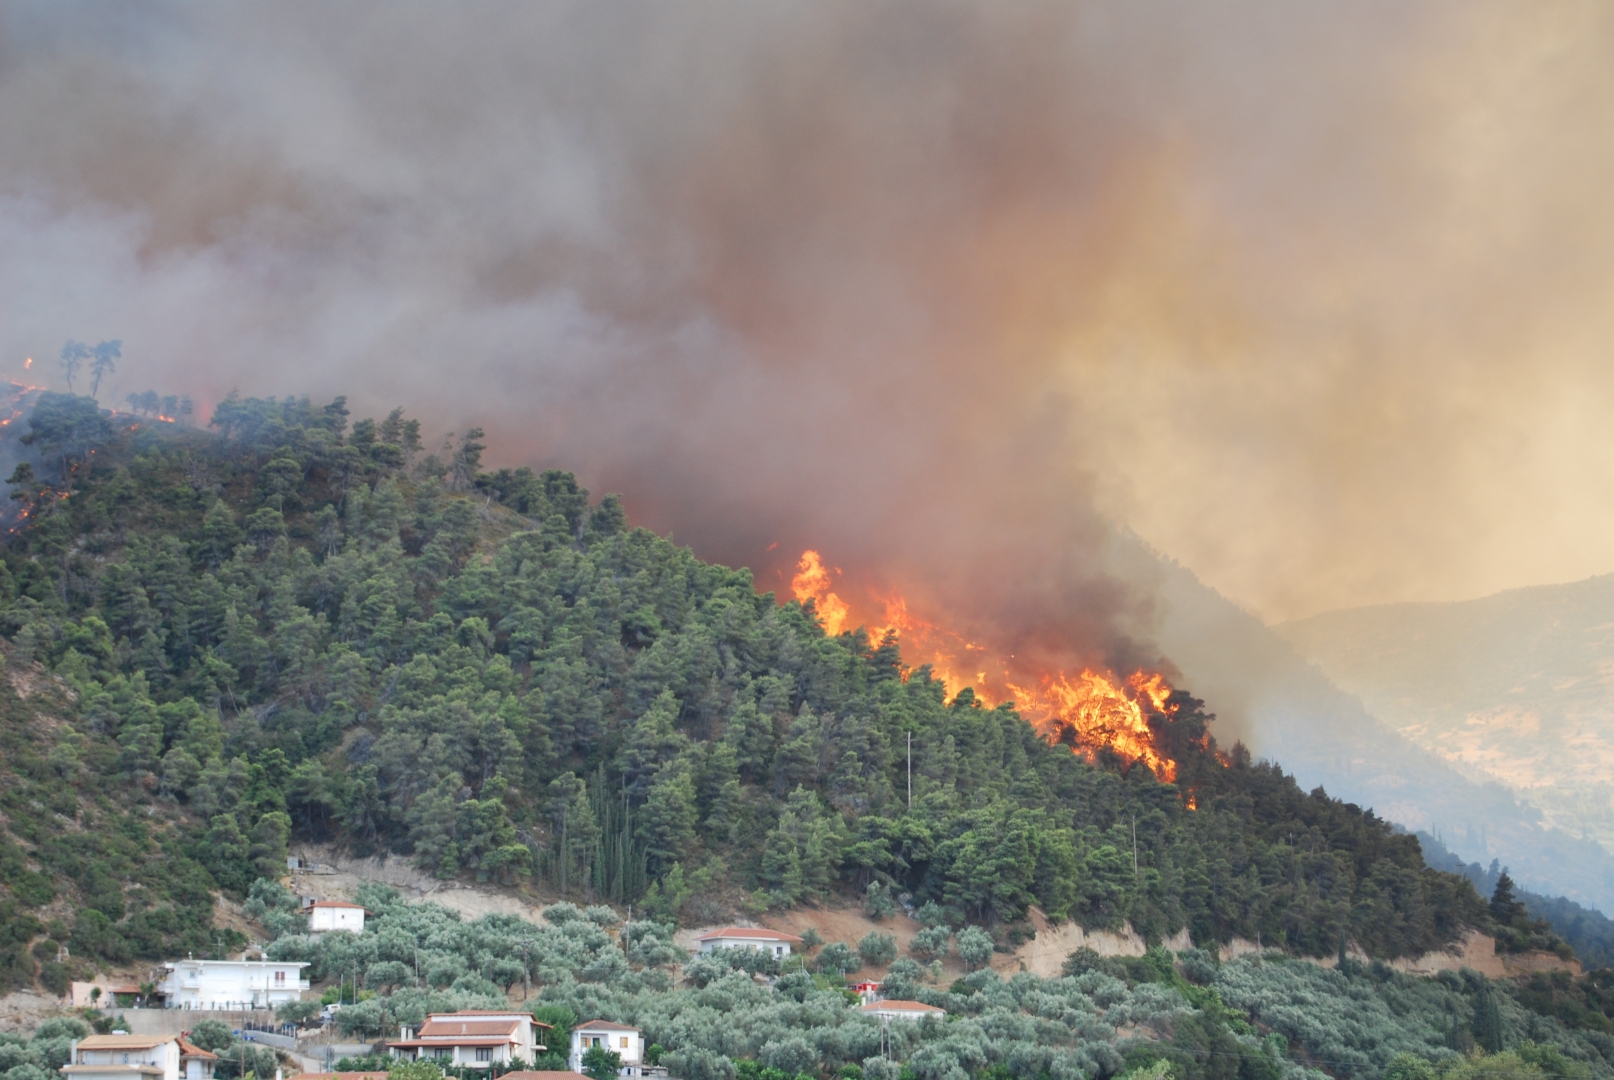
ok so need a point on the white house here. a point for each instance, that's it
(327, 915)
(748, 937)
(231, 984)
(901, 1010)
(624, 1041)
(479, 1038)
(138, 1057)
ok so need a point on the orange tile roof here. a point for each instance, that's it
(605, 1025)
(190, 1049)
(902, 1006)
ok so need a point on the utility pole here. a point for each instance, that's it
(910, 770)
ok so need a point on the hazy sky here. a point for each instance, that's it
(1315, 297)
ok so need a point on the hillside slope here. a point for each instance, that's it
(95, 866)
(290, 629)
(1516, 687)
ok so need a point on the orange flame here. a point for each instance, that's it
(1091, 710)
(812, 583)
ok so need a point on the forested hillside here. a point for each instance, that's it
(98, 866)
(1589, 932)
(284, 625)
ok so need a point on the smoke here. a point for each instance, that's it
(1310, 297)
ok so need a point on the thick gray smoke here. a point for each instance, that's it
(1310, 296)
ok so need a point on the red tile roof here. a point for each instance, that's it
(604, 1025)
(902, 1006)
(336, 903)
(190, 1049)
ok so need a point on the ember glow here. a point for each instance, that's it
(1087, 710)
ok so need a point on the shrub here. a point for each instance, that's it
(877, 902)
(931, 942)
(837, 956)
(877, 948)
(974, 946)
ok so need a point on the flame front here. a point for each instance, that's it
(812, 583)
(1089, 711)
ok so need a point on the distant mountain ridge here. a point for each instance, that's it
(1288, 709)
(1517, 688)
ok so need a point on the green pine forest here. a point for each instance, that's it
(288, 625)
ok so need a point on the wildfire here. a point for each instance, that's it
(1089, 711)
(812, 582)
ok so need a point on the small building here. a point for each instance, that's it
(327, 915)
(82, 995)
(748, 937)
(478, 1038)
(624, 1041)
(523, 1074)
(901, 1010)
(138, 1057)
(866, 991)
(231, 984)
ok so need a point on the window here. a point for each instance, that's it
(624, 1042)
(484, 1053)
(280, 978)
(594, 1040)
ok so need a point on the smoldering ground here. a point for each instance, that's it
(1311, 297)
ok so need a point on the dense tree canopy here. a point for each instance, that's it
(290, 626)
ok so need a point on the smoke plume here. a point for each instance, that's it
(1313, 298)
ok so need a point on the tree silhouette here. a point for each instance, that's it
(106, 356)
(74, 353)
(1506, 909)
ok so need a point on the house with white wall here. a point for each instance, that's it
(901, 1010)
(138, 1057)
(624, 1041)
(748, 937)
(231, 984)
(479, 1038)
(327, 915)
